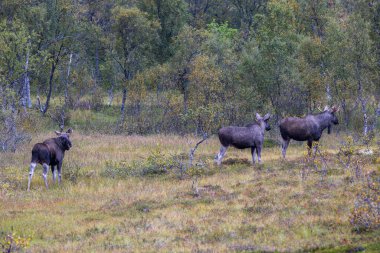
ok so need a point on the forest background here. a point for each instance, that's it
(184, 66)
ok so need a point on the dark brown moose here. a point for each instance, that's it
(250, 136)
(50, 152)
(308, 129)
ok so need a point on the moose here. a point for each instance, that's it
(250, 136)
(50, 152)
(308, 129)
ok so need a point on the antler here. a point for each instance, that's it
(335, 108)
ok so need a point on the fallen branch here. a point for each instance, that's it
(192, 151)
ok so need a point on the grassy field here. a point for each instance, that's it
(106, 204)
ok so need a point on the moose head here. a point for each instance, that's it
(64, 138)
(263, 121)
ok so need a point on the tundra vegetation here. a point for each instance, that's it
(124, 193)
(147, 84)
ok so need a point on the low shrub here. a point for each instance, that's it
(72, 171)
(365, 215)
(156, 163)
(10, 242)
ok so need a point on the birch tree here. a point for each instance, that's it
(136, 38)
(362, 58)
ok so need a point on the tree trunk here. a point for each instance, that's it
(362, 100)
(346, 114)
(97, 69)
(363, 103)
(26, 96)
(328, 93)
(46, 107)
(327, 85)
(185, 96)
(122, 109)
(128, 77)
(63, 109)
(67, 80)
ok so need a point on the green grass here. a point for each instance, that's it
(103, 121)
(239, 207)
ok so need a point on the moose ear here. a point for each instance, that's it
(267, 116)
(69, 131)
(258, 116)
(58, 133)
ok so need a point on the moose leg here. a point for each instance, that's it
(44, 174)
(309, 146)
(31, 172)
(316, 143)
(221, 154)
(53, 172)
(59, 167)
(285, 144)
(258, 150)
(253, 154)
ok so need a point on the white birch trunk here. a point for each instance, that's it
(363, 101)
(26, 96)
(67, 79)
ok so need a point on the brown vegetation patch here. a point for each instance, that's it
(115, 204)
(231, 161)
(252, 248)
(215, 192)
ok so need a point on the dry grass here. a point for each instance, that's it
(240, 207)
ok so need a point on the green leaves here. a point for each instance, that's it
(13, 43)
(172, 16)
(270, 60)
(136, 40)
(223, 58)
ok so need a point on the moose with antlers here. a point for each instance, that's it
(50, 153)
(308, 128)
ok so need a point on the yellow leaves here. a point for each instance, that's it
(137, 88)
(11, 242)
(195, 171)
(204, 92)
(4, 187)
(145, 81)
(205, 78)
(347, 148)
